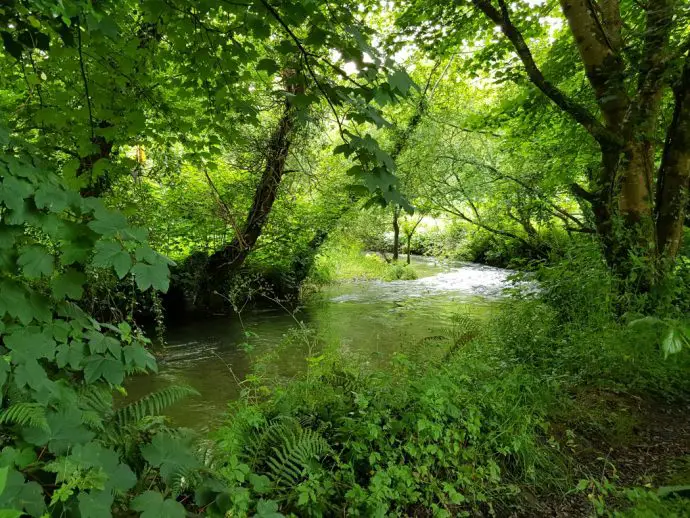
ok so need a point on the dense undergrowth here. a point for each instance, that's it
(515, 415)
(345, 260)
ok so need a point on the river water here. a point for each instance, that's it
(368, 318)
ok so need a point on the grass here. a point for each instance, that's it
(346, 262)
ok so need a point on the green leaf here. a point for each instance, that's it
(65, 430)
(68, 285)
(147, 254)
(672, 343)
(19, 458)
(100, 167)
(4, 372)
(268, 65)
(70, 354)
(139, 358)
(14, 191)
(13, 300)
(40, 307)
(106, 367)
(260, 483)
(400, 81)
(8, 235)
(35, 261)
(148, 275)
(51, 197)
(100, 343)
(170, 454)
(3, 478)
(108, 223)
(152, 505)
(19, 494)
(95, 504)
(267, 509)
(77, 251)
(30, 343)
(110, 253)
(30, 373)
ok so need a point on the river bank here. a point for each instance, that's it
(372, 318)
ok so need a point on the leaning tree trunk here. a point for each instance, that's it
(672, 185)
(230, 258)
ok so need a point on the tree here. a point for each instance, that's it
(230, 257)
(632, 54)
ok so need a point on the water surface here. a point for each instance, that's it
(370, 318)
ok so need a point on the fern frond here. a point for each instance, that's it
(152, 404)
(25, 414)
(286, 451)
(92, 419)
(260, 442)
(98, 398)
(184, 479)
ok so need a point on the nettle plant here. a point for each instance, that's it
(65, 449)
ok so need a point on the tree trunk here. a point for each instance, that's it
(672, 183)
(231, 257)
(96, 186)
(409, 247)
(627, 220)
(396, 233)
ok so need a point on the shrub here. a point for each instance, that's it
(66, 450)
(364, 443)
(346, 260)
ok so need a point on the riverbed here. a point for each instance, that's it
(371, 319)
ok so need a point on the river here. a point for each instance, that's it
(368, 318)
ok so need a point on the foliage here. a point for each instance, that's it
(468, 422)
(60, 365)
(345, 260)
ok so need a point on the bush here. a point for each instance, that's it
(472, 423)
(399, 272)
(67, 450)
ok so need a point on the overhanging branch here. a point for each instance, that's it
(577, 111)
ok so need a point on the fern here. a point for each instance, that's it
(152, 404)
(299, 452)
(184, 479)
(285, 450)
(25, 414)
(97, 398)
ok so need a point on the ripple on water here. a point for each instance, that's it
(468, 279)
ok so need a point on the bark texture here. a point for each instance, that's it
(396, 233)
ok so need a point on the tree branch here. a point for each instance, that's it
(577, 111)
(83, 76)
(305, 56)
(581, 192)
